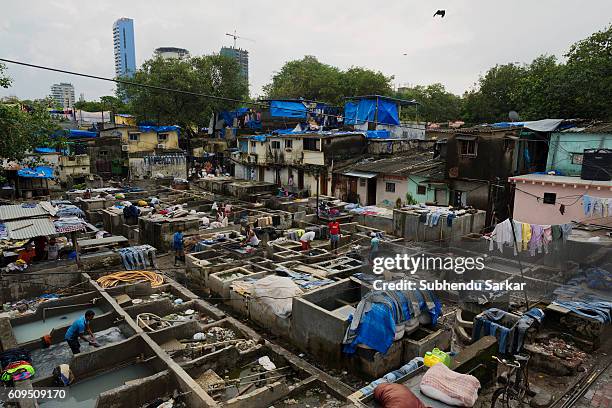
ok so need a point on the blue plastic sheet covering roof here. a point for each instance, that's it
(229, 116)
(378, 134)
(145, 128)
(543, 125)
(259, 138)
(365, 111)
(44, 150)
(76, 134)
(43, 172)
(287, 109)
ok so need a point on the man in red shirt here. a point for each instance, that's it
(334, 234)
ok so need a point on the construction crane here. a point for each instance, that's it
(237, 36)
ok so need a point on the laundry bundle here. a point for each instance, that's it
(138, 257)
(69, 224)
(596, 206)
(528, 237)
(381, 317)
(510, 333)
(452, 388)
(16, 365)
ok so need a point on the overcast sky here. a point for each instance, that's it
(474, 35)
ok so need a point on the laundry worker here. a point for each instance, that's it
(306, 239)
(77, 330)
(334, 234)
(179, 247)
(374, 246)
(251, 238)
(28, 254)
(53, 249)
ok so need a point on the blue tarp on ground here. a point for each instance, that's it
(43, 172)
(286, 109)
(378, 134)
(158, 129)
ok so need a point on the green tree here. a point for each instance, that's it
(211, 75)
(494, 95)
(436, 103)
(589, 75)
(21, 129)
(310, 79)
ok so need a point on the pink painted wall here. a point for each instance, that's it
(528, 209)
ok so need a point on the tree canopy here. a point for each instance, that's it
(310, 79)
(436, 103)
(105, 103)
(211, 75)
(22, 129)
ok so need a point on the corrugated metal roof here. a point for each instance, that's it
(31, 228)
(18, 211)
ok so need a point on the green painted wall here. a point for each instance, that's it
(564, 144)
(414, 181)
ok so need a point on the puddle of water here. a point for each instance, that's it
(45, 360)
(35, 330)
(83, 394)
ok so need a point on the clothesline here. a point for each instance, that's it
(593, 205)
(528, 237)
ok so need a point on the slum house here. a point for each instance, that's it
(479, 161)
(146, 151)
(297, 162)
(413, 177)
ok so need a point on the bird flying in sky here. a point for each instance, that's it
(440, 13)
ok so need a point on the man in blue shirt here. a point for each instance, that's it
(77, 329)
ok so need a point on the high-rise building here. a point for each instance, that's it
(63, 93)
(125, 50)
(241, 56)
(172, 53)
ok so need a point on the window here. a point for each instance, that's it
(311, 144)
(421, 190)
(390, 187)
(275, 144)
(253, 144)
(550, 198)
(134, 137)
(577, 158)
(162, 137)
(288, 144)
(362, 182)
(467, 148)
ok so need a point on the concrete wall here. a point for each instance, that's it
(407, 225)
(528, 209)
(140, 169)
(73, 166)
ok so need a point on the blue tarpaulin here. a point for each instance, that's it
(259, 138)
(44, 150)
(159, 129)
(387, 112)
(37, 172)
(286, 109)
(365, 111)
(75, 134)
(350, 113)
(378, 134)
(229, 116)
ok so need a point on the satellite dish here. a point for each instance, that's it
(513, 115)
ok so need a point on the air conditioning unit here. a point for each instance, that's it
(252, 158)
(124, 148)
(161, 146)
